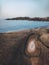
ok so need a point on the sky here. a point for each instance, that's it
(22, 8)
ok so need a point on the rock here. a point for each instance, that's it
(30, 19)
(13, 46)
(45, 39)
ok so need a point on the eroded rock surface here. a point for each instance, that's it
(13, 46)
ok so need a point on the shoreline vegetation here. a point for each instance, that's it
(30, 19)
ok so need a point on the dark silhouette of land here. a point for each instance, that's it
(13, 45)
(30, 19)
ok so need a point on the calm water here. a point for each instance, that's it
(15, 25)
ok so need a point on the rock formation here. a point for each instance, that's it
(30, 19)
(13, 47)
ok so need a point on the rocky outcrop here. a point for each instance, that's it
(30, 19)
(13, 46)
(45, 39)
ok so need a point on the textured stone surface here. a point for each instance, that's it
(13, 46)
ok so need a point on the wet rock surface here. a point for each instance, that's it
(13, 46)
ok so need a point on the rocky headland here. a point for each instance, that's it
(30, 19)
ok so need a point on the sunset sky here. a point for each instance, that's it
(30, 8)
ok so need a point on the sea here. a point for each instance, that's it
(18, 25)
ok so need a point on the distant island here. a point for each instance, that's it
(30, 19)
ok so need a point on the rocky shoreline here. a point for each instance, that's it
(12, 47)
(30, 19)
